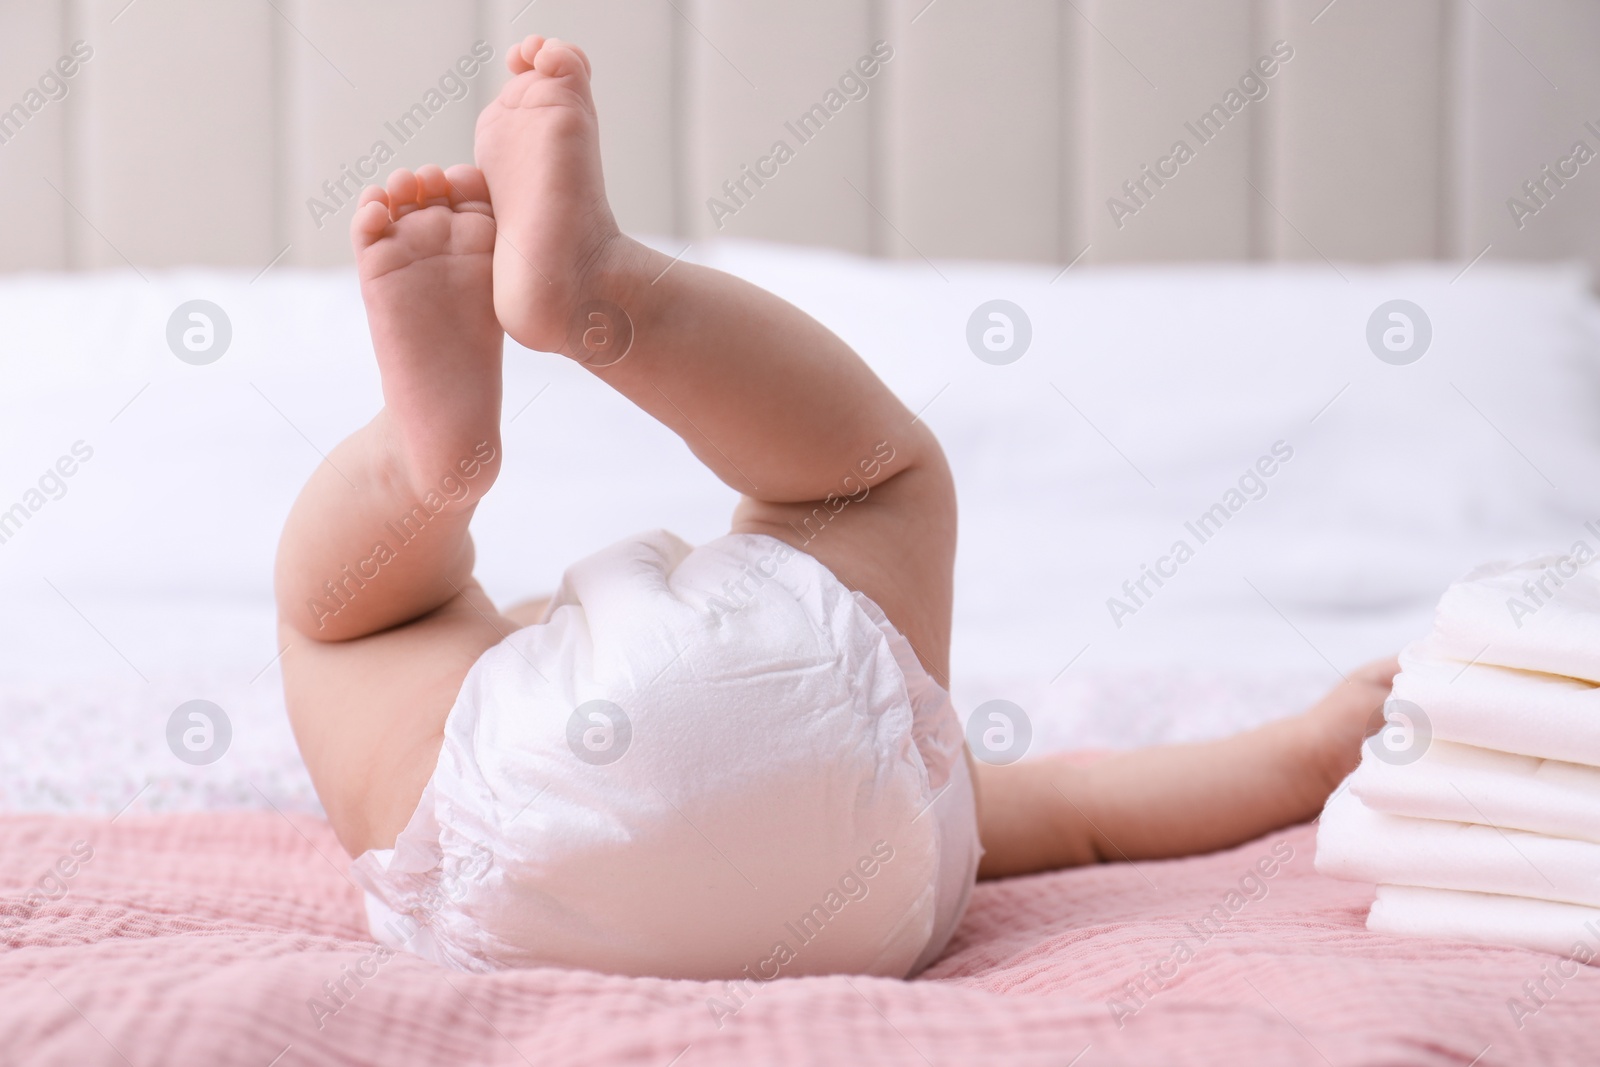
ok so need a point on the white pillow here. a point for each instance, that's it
(1145, 394)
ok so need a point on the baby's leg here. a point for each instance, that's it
(376, 599)
(828, 460)
(777, 406)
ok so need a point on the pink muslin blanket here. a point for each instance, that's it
(236, 938)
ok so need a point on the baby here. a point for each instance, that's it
(703, 762)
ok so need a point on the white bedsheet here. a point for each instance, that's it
(1145, 396)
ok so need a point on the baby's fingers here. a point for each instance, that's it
(1379, 672)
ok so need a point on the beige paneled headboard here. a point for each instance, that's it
(154, 133)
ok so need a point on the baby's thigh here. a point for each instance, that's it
(528, 612)
(896, 544)
(369, 713)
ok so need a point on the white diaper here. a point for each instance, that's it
(712, 762)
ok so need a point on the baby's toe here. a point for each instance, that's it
(371, 217)
(519, 57)
(403, 189)
(433, 189)
(467, 186)
(558, 59)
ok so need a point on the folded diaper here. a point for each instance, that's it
(1541, 615)
(1460, 783)
(1363, 845)
(1541, 925)
(712, 762)
(1487, 827)
(1499, 708)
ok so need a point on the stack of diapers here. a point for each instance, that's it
(1476, 809)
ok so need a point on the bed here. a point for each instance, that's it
(207, 904)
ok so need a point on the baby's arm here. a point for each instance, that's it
(1176, 800)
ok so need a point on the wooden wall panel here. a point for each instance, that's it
(1359, 144)
(175, 149)
(1530, 89)
(370, 85)
(1397, 131)
(631, 46)
(761, 75)
(1147, 93)
(33, 139)
(976, 115)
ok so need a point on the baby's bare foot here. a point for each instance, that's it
(424, 249)
(539, 146)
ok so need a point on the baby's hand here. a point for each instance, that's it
(1347, 716)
